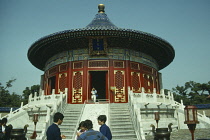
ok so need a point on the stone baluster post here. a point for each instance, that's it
(182, 105)
(66, 93)
(163, 94)
(42, 92)
(42, 95)
(21, 105)
(35, 94)
(10, 113)
(172, 99)
(53, 94)
(169, 97)
(61, 99)
(29, 98)
(154, 95)
(204, 113)
(143, 99)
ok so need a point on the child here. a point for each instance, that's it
(104, 129)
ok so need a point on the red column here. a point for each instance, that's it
(111, 80)
(85, 81)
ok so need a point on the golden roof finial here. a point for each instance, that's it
(101, 8)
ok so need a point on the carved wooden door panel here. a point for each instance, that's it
(119, 82)
(77, 96)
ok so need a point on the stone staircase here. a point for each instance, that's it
(71, 116)
(121, 124)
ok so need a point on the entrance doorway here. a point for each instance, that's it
(98, 81)
(51, 84)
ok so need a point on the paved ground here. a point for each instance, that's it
(184, 134)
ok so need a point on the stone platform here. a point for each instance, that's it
(184, 134)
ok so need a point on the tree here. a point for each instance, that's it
(192, 93)
(28, 91)
(8, 100)
(14, 100)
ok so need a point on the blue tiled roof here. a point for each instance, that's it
(100, 26)
(7, 109)
(101, 21)
(203, 106)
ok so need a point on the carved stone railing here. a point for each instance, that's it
(136, 116)
(38, 104)
(57, 104)
(159, 99)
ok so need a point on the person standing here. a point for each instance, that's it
(91, 134)
(53, 131)
(93, 96)
(5, 130)
(104, 129)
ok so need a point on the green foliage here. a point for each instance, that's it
(192, 93)
(28, 91)
(8, 99)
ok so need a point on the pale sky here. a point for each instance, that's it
(185, 24)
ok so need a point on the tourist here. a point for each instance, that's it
(104, 129)
(93, 96)
(5, 130)
(1, 133)
(53, 131)
(81, 129)
(91, 134)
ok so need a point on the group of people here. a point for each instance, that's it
(85, 129)
(5, 130)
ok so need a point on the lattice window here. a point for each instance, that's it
(52, 71)
(135, 66)
(77, 65)
(120, 89)
(62, 81)
(118, 64)
(135, 82)
(63, 67)
(98, 64)
(147, 69)
(77, 81)
(148, 83)
(119, 80)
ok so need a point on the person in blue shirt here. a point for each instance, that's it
(90, 134)
(53, 131)
(104, 129)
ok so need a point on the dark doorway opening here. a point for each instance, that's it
(98, 81)
(51, 84)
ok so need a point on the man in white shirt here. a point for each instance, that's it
(93, 96)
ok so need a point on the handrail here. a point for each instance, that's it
(78, 121)
(135, 117)
(82, 110)
(109, 114)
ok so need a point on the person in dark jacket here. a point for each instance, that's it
(53, 131)
(104, 129)
(5, 130)
(90, 134)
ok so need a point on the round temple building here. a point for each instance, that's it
(103, 56)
